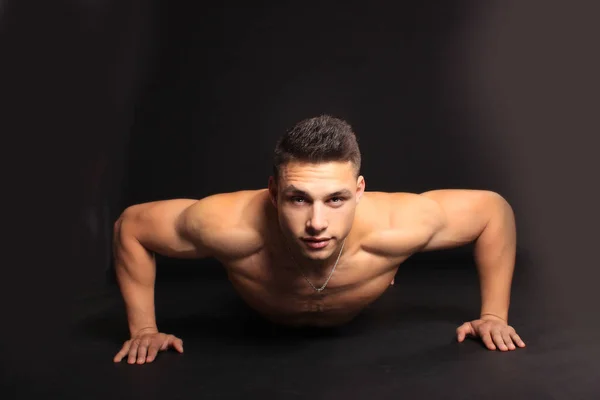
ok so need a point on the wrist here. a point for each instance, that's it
(144, 329)
(492, 316)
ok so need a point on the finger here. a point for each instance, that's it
(178, 344)
(517, 339)
(487, 340)
(133, 351)
(463, 331)
(153, 350)
(165, 344)
(143, 351)
(173, 341)
(498, 340)
(507, 340)
(119, 356)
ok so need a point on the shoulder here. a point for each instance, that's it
(226, 208)
(230, 223)
(391, 209)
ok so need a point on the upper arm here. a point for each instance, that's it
(457, 217)
(160, 227)
(434, 220)
(186, 228)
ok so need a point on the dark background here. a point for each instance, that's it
(105, 104)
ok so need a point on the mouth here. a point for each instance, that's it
(316, 243)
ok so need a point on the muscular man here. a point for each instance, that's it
(314, 248)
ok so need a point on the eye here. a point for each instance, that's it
(337, 200)
(297, 199)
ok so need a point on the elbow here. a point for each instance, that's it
(118, 226)
(123, 227)
(501, 219)
(503, 207)
(497, 199)
(127, 216)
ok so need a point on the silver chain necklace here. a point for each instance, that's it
(319, 290)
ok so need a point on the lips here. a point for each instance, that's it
(316, 243)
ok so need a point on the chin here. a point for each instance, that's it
(317, 255)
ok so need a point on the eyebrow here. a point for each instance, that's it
(294, 189)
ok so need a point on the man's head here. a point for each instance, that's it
(316, 184)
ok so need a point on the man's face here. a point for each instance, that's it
(316, 205)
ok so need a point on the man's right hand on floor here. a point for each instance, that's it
(145, 345)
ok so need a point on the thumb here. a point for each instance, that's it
(176, 343)
(464, 330)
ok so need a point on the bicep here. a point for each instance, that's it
(215, 226)
(457, 216)
(436, 220)
(161, 227)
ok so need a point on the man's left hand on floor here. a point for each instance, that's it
(494, 333)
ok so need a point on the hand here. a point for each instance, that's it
(494, 333)
(145, 345)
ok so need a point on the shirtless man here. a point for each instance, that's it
(314, 248)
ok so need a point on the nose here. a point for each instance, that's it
(317, 220)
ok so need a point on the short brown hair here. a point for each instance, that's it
(319, 139)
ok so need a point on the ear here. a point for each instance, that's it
(360, 187)
(273, 190)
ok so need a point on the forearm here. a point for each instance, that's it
(135, 269)
(495, 251)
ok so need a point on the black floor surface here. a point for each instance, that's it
(402, 346)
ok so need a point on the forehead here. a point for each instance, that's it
(312, 176)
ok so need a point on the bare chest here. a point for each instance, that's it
(278, 290)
